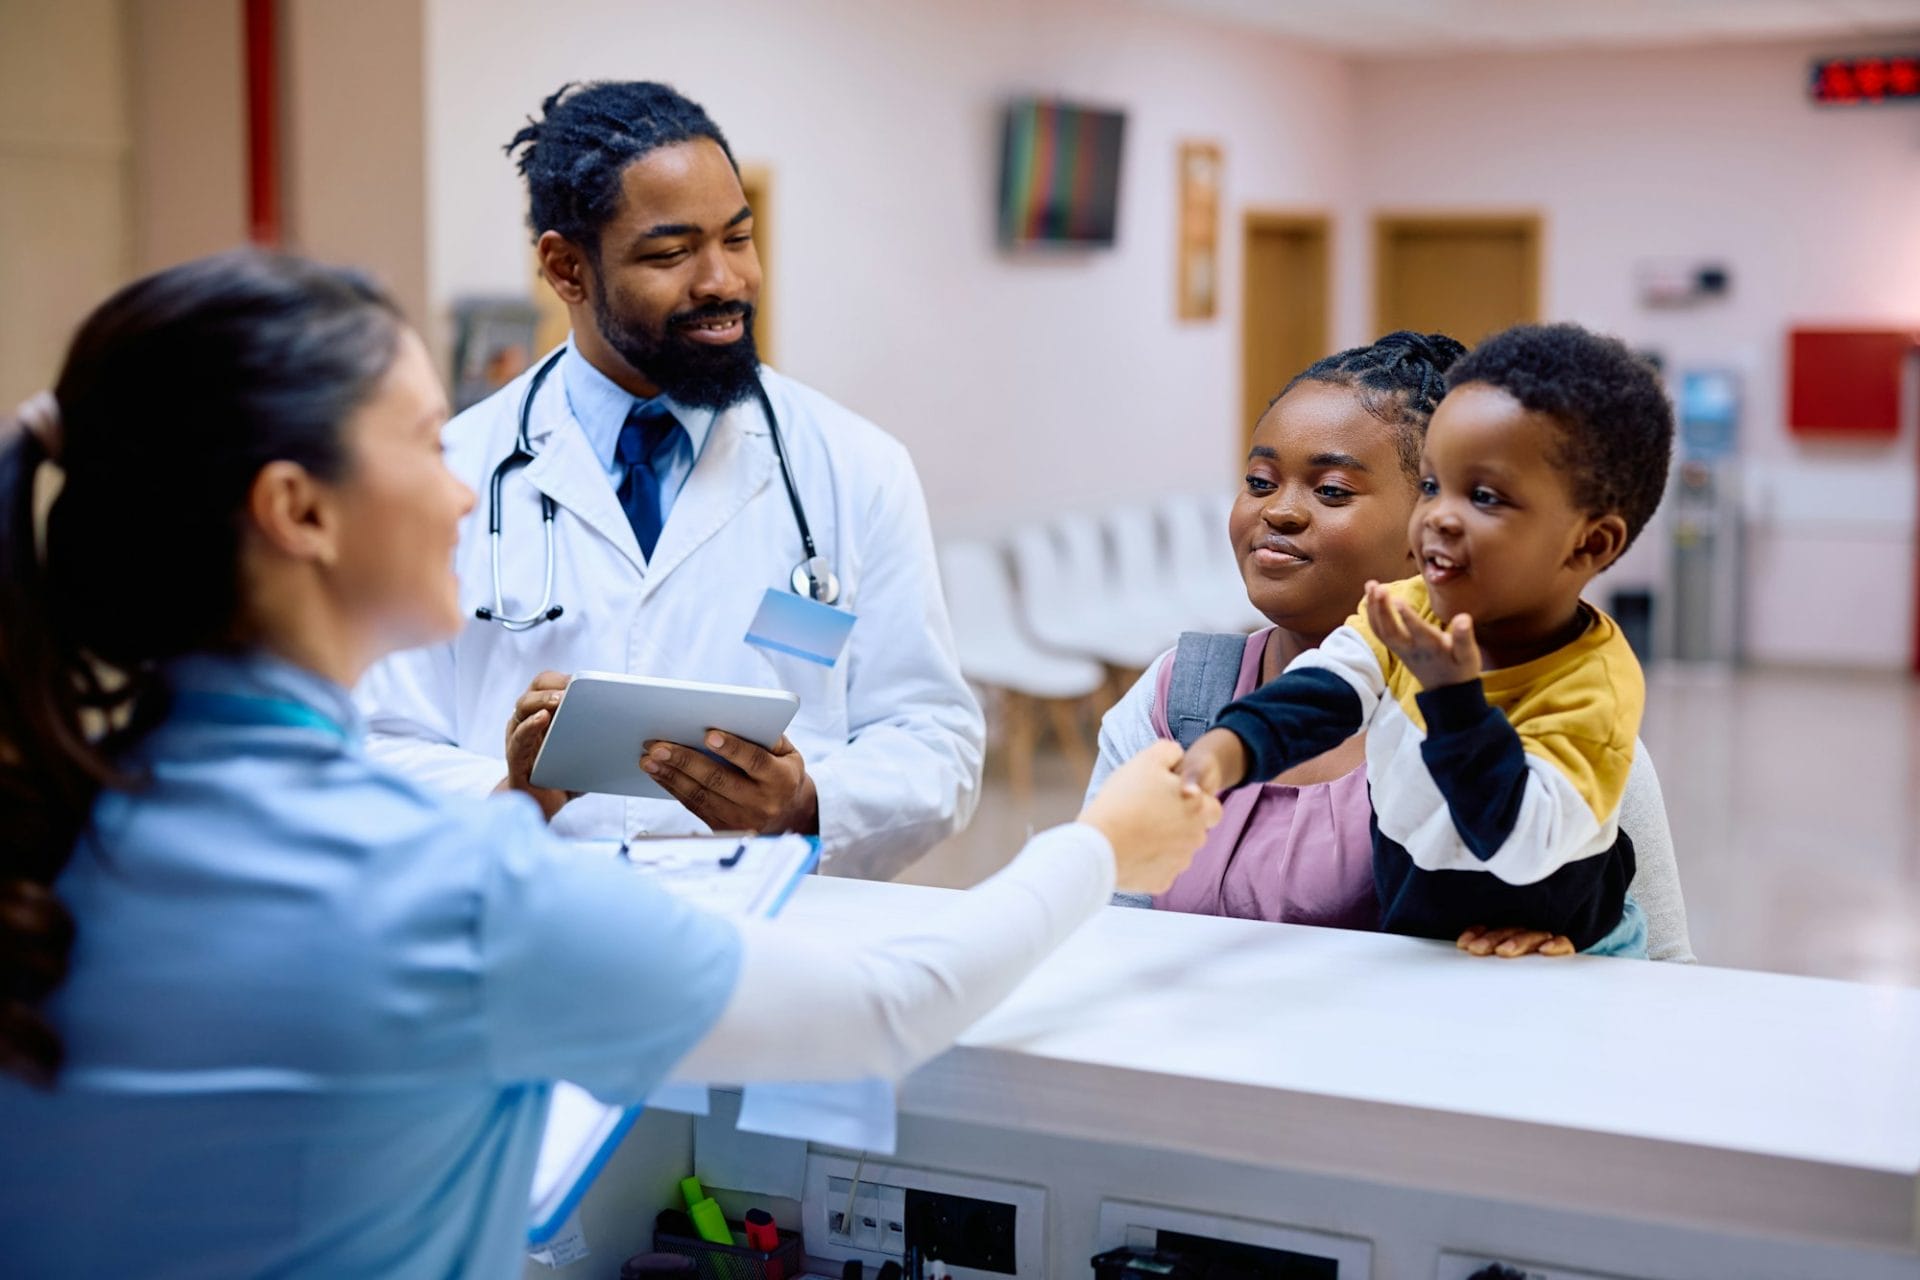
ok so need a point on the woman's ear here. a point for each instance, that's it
(294, 514)
(1601, 544)
(564, 266)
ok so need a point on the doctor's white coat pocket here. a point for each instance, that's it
(820, 727)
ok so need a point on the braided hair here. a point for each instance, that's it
(1400, 378)
(574, 155)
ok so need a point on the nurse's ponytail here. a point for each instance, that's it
(35, 930)
(122, 499)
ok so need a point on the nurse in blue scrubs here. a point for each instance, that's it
(265, 1007)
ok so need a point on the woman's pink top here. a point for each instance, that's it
(1298, 855)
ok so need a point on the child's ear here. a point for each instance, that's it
(1601, 544)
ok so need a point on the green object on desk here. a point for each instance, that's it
(691, 1191)
(710, 1222)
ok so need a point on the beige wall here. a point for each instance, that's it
(189, 129)
(355, 161)
(351, 98)
(123, 150)
(64, 165)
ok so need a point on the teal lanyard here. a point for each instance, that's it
(250, 712)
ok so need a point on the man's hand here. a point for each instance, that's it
(1437, 658)
(526, 731)
(1510, 942)
(1216, 761)
(766, 792)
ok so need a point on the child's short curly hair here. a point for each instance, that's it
(1616, 424)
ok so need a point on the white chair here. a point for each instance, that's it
(1203, 564)
(1216, 509)
(996, 654)
(1049, 599)
(1099, 598)
(1146, 584)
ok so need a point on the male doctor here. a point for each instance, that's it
(672, 520)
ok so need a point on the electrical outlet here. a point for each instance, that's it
(982, 1230)
(877, 1222)
(964, 1232)
(1147, 1225)
(1465, 1266)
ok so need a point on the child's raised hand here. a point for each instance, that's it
(1437, 658)
(1509, 943)
(1215, 762)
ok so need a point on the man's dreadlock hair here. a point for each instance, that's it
(573, 156)
(1400, 379)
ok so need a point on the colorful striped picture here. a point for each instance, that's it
(1060, 174)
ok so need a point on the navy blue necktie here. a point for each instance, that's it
(644, 441)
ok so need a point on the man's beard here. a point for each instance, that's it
(695, 374)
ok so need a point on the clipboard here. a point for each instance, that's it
(742, 877)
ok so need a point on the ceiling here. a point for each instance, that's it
(1396, 27)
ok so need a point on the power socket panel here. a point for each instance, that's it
(1124, 1222)
(976, 1212)
(878, 1222)
(1466, 1266)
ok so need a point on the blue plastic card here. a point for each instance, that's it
(792, 624)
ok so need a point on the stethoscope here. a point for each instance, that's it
(813, 577)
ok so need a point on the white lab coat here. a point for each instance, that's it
(891, 735)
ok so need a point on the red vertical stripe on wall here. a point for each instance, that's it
(1046, 123)
(263, 121)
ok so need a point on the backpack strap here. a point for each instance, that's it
(1206, 670)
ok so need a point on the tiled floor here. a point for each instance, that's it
(1795, 803)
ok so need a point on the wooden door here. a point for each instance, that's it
(1462, 275)
(1285, 302)
(757, 182)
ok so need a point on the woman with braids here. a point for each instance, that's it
(267, 1007)
(1331, 479)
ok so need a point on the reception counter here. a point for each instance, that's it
(1605, 1117)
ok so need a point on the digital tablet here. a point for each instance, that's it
(604, 721)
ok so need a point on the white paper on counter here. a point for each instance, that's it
(687, 1099)
(733, 1159)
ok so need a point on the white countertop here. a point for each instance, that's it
(1746, 1102)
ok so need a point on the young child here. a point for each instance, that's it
(1500, 708)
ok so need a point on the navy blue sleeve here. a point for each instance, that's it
(1476, 761)
(1294, 718)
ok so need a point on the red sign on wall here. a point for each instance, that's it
(1880, 79)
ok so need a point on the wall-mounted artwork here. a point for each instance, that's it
(492, 345)
(1060, 174)
(1199, 282)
